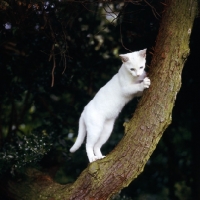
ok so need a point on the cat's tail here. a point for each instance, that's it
(81, 135)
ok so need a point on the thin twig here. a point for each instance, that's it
(65, 63)
(112, 22)
(52, 55)
(53, 69)
(122, 39)
(52, 52)
(153, 9)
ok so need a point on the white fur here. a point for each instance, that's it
(98, 116)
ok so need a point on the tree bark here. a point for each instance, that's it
(103, 178)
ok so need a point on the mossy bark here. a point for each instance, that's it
(103, 178)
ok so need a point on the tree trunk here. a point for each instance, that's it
(103, 178)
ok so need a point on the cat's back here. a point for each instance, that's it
(110, 90)
(108, 101)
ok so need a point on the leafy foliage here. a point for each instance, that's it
(23, 151)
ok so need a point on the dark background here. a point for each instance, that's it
(39, 123)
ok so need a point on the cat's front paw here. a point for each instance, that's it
(146, 82)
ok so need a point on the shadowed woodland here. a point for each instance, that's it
(54, 57)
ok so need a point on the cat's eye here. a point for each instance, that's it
(141, 67)
(132, 69)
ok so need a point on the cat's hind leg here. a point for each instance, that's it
(93, 134)
(105, 134)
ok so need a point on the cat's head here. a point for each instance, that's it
(134, 62)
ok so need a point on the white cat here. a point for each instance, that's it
(98, 116)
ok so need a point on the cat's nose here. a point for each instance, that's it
(137, 74)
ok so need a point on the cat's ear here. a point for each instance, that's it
(142, 53)
(124, 58)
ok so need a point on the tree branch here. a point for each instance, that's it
(151, 117)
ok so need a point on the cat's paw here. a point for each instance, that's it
(100, 157)
(146, 82)
(94, 158)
